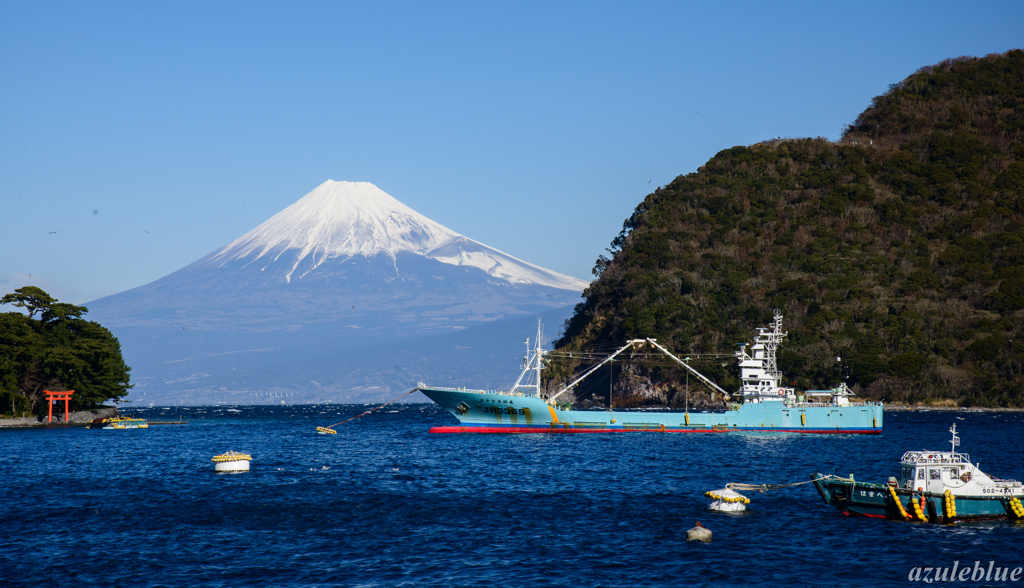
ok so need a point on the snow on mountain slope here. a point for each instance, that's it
(467, 252)
(345, 219)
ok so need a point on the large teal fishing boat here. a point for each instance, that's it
(764, 404)
(932, 486)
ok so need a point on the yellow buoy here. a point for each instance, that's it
(950, 504)
(1017, 507)
(918, 508)
(899, 504)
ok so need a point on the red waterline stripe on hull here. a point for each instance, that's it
(861, 514)
(563, 430)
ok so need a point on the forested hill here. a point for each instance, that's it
(899, 249)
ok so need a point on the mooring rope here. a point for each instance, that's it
(372, 409)
(765, 488)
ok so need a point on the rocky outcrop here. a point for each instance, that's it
(79, 417)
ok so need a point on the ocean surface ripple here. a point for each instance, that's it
(384, 503)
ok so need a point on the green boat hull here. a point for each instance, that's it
(854, 498)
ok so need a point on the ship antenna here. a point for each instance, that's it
(771, 343)
(955, 441)
(539, 353)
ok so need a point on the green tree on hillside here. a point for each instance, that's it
(898, 249)
(51, 347)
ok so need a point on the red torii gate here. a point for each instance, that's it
(52, 396)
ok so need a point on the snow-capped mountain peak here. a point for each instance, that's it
(340, 219)
(345, 219)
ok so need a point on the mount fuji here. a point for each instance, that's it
(347, 295)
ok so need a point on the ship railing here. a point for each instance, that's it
(808, 404)
(472, 391)
(936, 457)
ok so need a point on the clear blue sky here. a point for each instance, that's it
(137, 137)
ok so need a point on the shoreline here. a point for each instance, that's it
(76, 418)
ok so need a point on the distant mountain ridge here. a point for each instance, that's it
(344, 269)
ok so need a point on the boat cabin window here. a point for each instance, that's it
(906, 472)
(952, 473)
(935, 474)
(920, 473)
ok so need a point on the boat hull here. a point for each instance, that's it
(491, 412)
(875, 500)
(122, 425)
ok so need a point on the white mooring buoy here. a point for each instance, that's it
(726, 500)
(699, 533)
(232, 461)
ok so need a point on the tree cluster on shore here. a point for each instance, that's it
(50, 346)
(896, 254)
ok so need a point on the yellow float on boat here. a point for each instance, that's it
(120, 423)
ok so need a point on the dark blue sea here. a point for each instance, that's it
(384, 503)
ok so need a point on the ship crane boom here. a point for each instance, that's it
(699, 375)
(639, 343)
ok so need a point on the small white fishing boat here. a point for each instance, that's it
(932, 486)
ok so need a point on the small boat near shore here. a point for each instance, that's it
(932, 486)
(119, 423)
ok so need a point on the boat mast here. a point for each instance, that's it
(532, 363)
(760, 378)
(771, 343)
(538, 355)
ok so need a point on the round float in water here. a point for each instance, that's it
(726, 500)
(232, 461)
